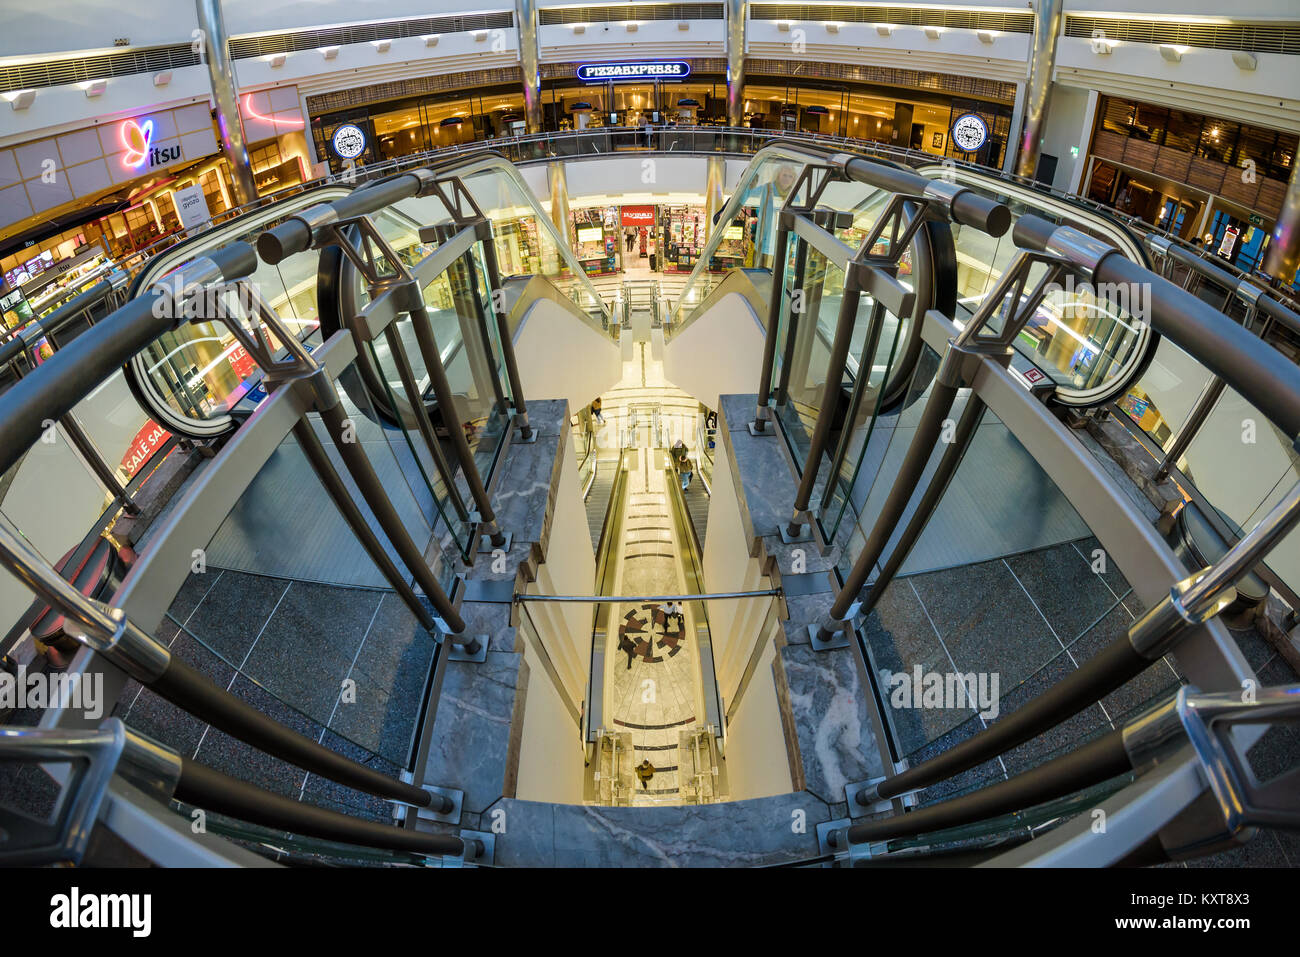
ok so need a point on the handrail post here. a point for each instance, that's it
(497, 304)
(1205, 404)
(785, 222)
(800, 526)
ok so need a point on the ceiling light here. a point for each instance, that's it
(633, 26)
(579, 28)
(480, 36)
(1171, 53)
(884, 29)
(95, 87)
(832, 28)
(986, 36)
(933, 32)
(329, 53)
(21, 99)
(783, 26)
(1244, 60)
(276, 60)
(683, 25)
(163, 78)
(381, 46)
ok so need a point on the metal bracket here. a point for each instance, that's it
(881, 806)
(485, 546)
(805, 532)
(91, 758)
(814, 638)
(449, 817)
(487, 858)
(458, 652)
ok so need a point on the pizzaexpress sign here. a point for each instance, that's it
(657, 70)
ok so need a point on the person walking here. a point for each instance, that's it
(595, 410)
(644, 772)
(682, 463)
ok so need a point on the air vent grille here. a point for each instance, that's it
(30, 76)
(243, 47)
(627, 11)
(1251, 37)
(900, 16)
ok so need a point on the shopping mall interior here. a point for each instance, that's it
(557, 435)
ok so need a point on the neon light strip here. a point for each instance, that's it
(248, 108)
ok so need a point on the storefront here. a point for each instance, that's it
(656, 238)
(396, 128)
(125, 185)
(1210, 181)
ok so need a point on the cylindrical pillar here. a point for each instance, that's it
(717, 172)
(1283, 257)
(735, 63)
(526, 21)
(1049, 16)
(559, 181)
(216, 54)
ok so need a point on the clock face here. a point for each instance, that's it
(349, 141)
(969, 132)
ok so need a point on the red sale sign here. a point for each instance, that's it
(146, 442)
(241, 362)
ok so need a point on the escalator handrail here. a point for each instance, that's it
(1234, 282)
(58, 320)
(1252, 368)
(74, 371)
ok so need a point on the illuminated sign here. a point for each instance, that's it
(140, 154)
(638, 216)
(292, 124)
(969, 132)
(660, 70)
(349, 141)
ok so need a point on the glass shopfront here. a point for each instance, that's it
(416, 124)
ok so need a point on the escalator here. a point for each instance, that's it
(198, 383)
(1073, 354)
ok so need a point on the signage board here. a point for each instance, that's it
(191, 206)
(969, 132)
(638, 216)
(1229, 242)
(614, 72)
(348, 141)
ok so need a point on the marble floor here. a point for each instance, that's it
(652, 680)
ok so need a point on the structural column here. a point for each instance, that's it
(216, 54)
(735, 63)
(559, 182)
(717, 171)
(526, 21)
(1283, 257)
(1049, 15)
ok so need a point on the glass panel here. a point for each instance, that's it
(806, 355)
(1006, 585)
(295, 611)
(1244, 465)
(1160, 401)
(759, 197)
